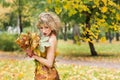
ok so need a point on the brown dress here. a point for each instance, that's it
(42, 72)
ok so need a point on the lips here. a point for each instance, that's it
(44, 34)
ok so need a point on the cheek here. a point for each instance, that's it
(49, 31)
(41, 30)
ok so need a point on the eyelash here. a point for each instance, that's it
(42, 27)
(46, 27)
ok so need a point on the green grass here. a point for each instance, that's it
(24, 70)
(106, 51)
(67, 48)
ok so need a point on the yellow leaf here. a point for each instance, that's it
(103, 39)
(96, 2)
(113, 10)
(49, 1)
(105, 2)
(111, 3)
(58, 10)
(46, 9)
(118, 16)
(93, 6)
(76, 5)
(67, 6)
(85, 8)
(104, 16)
(72, 12)
(37, 52)
(104, 9)
(102, 20)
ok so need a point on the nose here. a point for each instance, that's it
(43, 30)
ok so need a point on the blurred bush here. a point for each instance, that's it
(7, 42)
(68, 35)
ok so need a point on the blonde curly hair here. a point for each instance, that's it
(50, 19)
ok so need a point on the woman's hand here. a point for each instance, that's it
(29, 52)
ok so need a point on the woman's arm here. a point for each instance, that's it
(48, 61)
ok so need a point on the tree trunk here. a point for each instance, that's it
(92, 49)
(76, 33)
(20, 23)
(91, 45)
(20, 16)
(117, 36)
(64, 32)
(106, 35)
(110, 36)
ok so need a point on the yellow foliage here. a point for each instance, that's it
(103, 39)
(86, 39)
(58, 10)
(118, 6)
(4, 10)
(97, 13)
(111, 3)
(112, 10)
(96, 2)
(49, 1)
(93, 6)
(28, 40)
(72, 12)
(46, 9)
(104, 16)
(105, 2)
(102, 20)
(104, 9)
(20, 75)
(75, 5)
(84, 7)
(67, 6)
(118, 16)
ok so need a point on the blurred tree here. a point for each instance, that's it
(4, 13)
(94, 14)
(25, 12)
(117, 32)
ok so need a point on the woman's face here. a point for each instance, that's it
(45, 29)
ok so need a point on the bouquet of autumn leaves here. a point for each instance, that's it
(33, 41)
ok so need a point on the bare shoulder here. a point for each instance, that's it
(53, 39)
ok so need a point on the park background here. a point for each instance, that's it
(88, 43)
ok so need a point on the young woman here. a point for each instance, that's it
(48, 24)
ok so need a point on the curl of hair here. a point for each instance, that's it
(50, 19)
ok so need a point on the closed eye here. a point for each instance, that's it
(41, 28)
(46, 27)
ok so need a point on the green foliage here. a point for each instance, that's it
(7, 42)
(68, 35)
